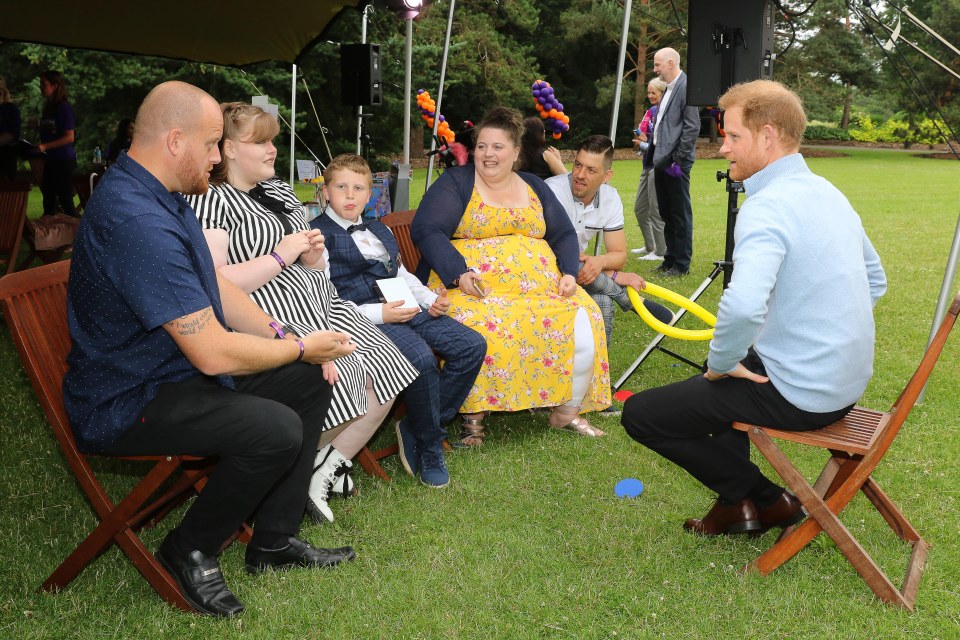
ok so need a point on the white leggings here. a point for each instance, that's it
(583, 349)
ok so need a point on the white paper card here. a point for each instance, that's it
(306, 170)
(394, 289)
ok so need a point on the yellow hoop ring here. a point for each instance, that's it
(680, 301)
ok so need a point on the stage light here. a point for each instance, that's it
(406, 9)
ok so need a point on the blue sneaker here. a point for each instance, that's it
(433, 468)
(408, 448)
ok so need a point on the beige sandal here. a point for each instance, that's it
(471, 433)
(578, 424)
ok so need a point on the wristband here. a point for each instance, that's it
(276, 256)
(300, 344)
(281, 334)
(614, 276)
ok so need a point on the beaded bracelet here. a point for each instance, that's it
(276, 256)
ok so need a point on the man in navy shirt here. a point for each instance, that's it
(157, 338)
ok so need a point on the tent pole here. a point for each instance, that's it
(363, 40)
(443, 75)
(624, 34)
(402, 198)
(293, 123)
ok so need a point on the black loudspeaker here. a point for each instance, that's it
(360, 82)
(728, 41)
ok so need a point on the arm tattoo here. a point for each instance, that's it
(192, 326)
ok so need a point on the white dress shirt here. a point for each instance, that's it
(372, 249)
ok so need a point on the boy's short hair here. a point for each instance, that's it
(348, 162)
(600, 145)
(768, 102)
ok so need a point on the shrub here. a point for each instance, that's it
(897, 129)
(825, 132)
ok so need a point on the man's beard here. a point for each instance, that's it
(192, 181)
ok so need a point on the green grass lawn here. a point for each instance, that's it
(529, 541)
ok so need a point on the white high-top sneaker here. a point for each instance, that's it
(326, 465)
(343, 486)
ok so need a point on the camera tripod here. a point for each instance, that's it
(725, 266)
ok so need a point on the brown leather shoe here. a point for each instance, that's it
(726, 519)
(785, 512)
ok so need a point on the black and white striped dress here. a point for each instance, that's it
(304, 298)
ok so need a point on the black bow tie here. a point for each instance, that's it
(356, 227)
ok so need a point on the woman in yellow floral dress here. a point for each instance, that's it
(505, 250)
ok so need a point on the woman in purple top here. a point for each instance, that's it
(57, 124)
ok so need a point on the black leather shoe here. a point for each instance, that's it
(785, 512)
(674, 272)
(200, 580)
(663, 266)
(296, 553)
(726, 519)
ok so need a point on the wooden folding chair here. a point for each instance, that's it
(34, 304)
(13, 214)
(84, 186)
(399, 223)
(856, 444)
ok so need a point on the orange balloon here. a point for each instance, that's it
(430, 121)
(566, 119)
(543, 114)
(556, 136)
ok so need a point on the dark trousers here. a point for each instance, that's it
(58, 186)
(264, 435)
(673, 199)
(689, 422)
(436, 395)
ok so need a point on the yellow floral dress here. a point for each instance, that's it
(527, 324)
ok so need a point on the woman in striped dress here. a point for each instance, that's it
(258, 236)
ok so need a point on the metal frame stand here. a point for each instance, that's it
(725, 266)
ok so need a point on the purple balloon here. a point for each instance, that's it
(430, 113)
(536, 93)
(419, 91)
(559, 107)
(442, 118)
(542, 100)
(550, 90)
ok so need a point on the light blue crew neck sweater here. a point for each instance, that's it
(805, 281)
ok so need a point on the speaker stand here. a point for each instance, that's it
(725, 266)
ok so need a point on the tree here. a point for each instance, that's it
(593, 28)
(829, 63)
(943, 17)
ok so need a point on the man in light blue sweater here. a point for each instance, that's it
(793, 346)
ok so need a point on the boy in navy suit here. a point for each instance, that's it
(365, 251)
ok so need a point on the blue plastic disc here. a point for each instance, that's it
(628, 488)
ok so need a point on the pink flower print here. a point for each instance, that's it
(491, 400)
(543, 261)
(543, 394)
(488, 360)
(547, 362)
(491, 327)
(485, 267)
(604, 366)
